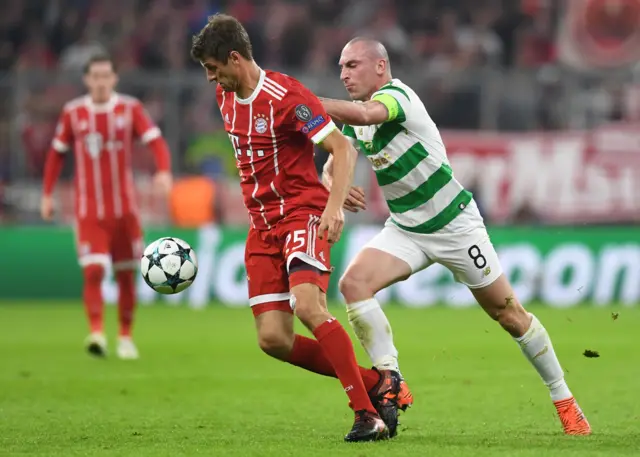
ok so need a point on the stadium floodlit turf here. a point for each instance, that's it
(203, 388)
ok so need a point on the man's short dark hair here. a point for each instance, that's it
(221, 35)
(99, 58)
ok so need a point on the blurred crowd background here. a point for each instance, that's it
(484, 67)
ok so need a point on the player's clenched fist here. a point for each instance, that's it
(331, 222)
(355, 200)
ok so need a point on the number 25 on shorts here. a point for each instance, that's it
(295, 241)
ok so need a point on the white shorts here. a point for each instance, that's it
(463, 247)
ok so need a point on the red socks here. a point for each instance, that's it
(94, 304)
(338, 350)
(308, 354)
(92, 295)
(126, 300)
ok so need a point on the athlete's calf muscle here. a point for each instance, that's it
(500, 302)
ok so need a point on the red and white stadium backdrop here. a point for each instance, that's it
(565, 177)
(562, 177)
(599, 33)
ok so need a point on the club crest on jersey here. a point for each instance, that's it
(93, 142)
(121, 122)
(303, 112)
(260, 123)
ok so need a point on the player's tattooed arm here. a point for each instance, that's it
(372, 112)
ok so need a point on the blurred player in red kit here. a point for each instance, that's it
(273, 121)
(100, 129)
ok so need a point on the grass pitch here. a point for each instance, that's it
(202, 387)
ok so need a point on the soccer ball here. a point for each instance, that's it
(169, 265)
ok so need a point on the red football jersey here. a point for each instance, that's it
(272, 133)
(102, 136)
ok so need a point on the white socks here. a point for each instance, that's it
(537, 348)
(372, 328)
(374, 332)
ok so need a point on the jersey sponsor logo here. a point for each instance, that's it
(93, 142)
(226, 118)
(313, 124)
(260, 123)
(379, 161)
(304, 113)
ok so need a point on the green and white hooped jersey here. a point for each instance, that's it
(410, 162)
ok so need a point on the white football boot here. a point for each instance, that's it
(96, 344)
(127, 350)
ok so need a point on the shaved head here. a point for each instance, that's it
(364, 67)
(372, 48)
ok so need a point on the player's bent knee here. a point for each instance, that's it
(354, 287)
(310, 312)
(308, 284)
(312, 316)
(275, 344)
(309, 305)
(275, 332)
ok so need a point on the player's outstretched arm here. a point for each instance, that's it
(343, 157)
(371, 112)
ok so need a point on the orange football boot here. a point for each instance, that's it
(405, 397)
(572, 417)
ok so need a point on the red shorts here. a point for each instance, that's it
(269, 254)
(116, 240)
